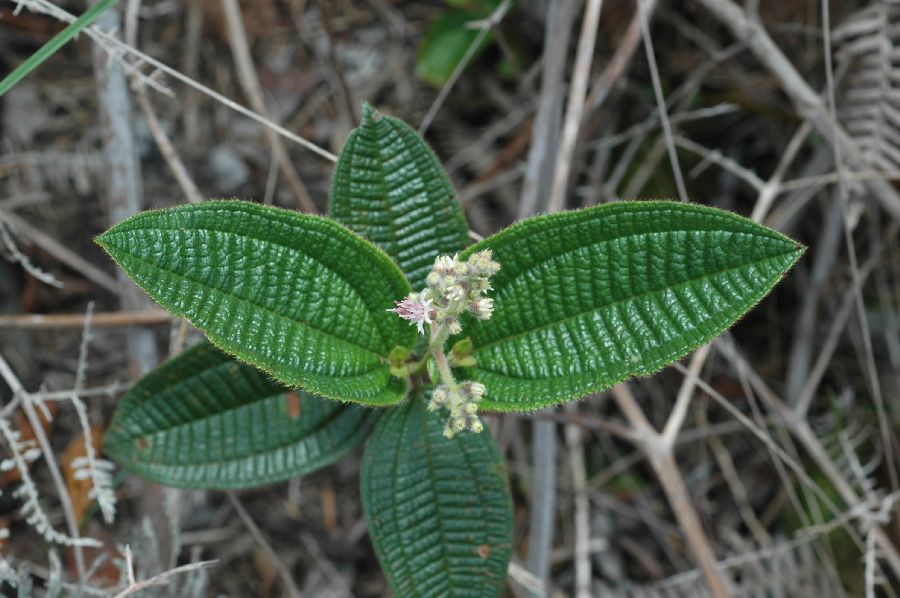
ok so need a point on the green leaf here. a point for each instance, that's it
(439, 510)
(204, 420)
(446, 43)
(390, 188)
(587, 299)
(299, 296)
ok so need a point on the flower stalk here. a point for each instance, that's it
(454, 288)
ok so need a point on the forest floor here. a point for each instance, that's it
(785, 430)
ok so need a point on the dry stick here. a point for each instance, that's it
(774, 185)
(166, 149)
(47, 451)
(124, 185)
(169, 154)
(472, 192)
(98, 320)
(20, 258)
(575, 107)
(783, 457)
(883, 422)
(176, 165)
(582, 517)
(780, 456)
(620, 60)
(716, 157)
(595, 423)
(325, 565)
(807, 102)
(683, 400)
(249, 79)
(544, 142)
(651, 123)
(680, 100)
(659, 447)
(287, 579)
(666, 468)
(141, 57)
(479, 147)
(801, 429)
(800, 355)
(669, 436)
(800, 406)
(484, 27)
(61, 252)
(738, 491)
(137, 586)
(546, 130)
(343, 88)
(643, 10)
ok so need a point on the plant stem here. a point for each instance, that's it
(438, 338)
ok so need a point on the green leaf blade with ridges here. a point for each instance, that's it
(587, 299)
(205, 420)
(438, 509)
(390, 188)
(299, 296)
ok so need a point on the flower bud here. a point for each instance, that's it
(474, 390)
(444, 264)
(455, 292)
(482, 308)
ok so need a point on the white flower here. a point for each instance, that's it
(475, 390)
(482, 308)
(416, 309)
(444, 264)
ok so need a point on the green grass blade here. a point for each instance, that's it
(50, 48)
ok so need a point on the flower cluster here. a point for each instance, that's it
(455, 287)
(461, 400)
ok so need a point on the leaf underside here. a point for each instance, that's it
(438, 509)
(205, 420)
(390, 188)
(587, 299)
(299, 296)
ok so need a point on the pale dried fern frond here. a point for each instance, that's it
(868, 54)
(784, 569)
(846, 434)
(21, 453)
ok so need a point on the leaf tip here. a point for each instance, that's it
(369, 113)
(102, 240)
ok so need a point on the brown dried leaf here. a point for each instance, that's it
(79, 489)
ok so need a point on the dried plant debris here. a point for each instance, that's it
(785, 462)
